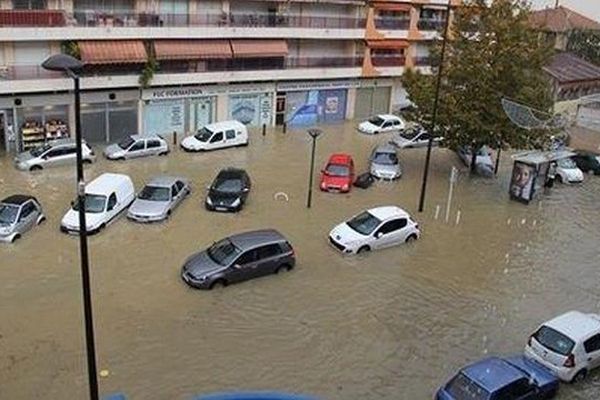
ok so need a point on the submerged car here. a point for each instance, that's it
(217, 136)
(54, 153)
(374, 229)
(18, 214)
(239, 258)
(568, 345)
(567, 171)
(135, 146)
(495, 378)
(158, 199)
(229, 190)
(381, 123)
(385, 163)
(338, 174)
(414, 135)
(484, 165)
(587, 161)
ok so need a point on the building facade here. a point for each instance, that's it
(164, 66)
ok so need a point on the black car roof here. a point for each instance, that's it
(18, 199)
(227, 173)
(248, 240)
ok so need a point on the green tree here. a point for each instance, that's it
(586, 44)
(491, 53)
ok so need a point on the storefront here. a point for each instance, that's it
(254, 109)
(371, 101)
(109, 116)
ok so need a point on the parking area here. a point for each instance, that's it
(392, 324)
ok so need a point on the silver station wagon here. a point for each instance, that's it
(18, 214)
(158, 199)
(54, 153)
(137, 146)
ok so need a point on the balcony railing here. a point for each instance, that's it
(32, 18)
(21, 72)
(392, 23)
(388, 61)
(431, 24)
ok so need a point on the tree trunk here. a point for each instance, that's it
(474, 150)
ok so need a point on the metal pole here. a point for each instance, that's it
(452, 179)
(83, 249)
(435, 107)
(498, 154)
(312, 167)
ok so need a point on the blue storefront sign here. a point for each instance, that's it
(316, 106)
(251, 109)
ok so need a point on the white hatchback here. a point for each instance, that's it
(374, 229)
(569, 345)
(567, 171)
(382, 123)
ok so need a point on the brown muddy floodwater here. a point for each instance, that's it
(393, 324)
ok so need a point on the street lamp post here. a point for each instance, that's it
(314, 134)
(71, 66)
(435, 108)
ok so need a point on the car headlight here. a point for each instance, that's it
(236, 202)
(209, 201)
(345, 187)
(4, 230)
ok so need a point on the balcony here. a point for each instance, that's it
(29, 18)
(392, 24)
(388, 61)
(431, 24)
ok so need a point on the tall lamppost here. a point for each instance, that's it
(71, 66)
(314, 134)
(435, 108)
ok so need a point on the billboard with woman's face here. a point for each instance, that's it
(521, 184)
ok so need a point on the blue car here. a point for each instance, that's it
(511, 378)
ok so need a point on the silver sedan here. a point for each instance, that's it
(158, 199)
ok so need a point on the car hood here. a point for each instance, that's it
(113, 149)
(24, 156)
(223, 197)
(544, 378)
(200, 264)
(192, 143)
(385, 169)
(573, 174)
(149, 208)
(345, 235)
(336, 180)
(367, 126)
(92, 220)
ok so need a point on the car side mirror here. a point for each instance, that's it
(378, 235)
(245, 190)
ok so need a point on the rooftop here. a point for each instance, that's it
(492, 373)
(251, 239)
(561, 19)
(567, 67)
(386, 212)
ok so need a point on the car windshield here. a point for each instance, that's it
(94, 203)
(203, 135)
(228, 185)
(155, 193)
(337, 170)
(462, 387)
(8, 213)
(126, 143)
(410, 133)
(378, 121)
(566, 163)
(38, 151)
(597, 158)
(364, 223)
(554, 340)
(385, 158)
(223, 252)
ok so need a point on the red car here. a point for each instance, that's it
(338, 174)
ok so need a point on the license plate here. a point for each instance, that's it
(220, 208)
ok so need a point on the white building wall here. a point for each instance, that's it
(321, 9)
(208, 6)
(250, 7)
(28, 53)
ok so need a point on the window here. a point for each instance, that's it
(152, 144)
(139, 145)
(112, 202)
(230, 134)
(217, 137)
(180, 185)
(285, 247)
(247, 258)
(26, 211)
(515, 391)
(387, 124)
(396, 122)
(174, 191)
(29, 4)
(268, 251)
(462, 387)
(392, 226)
(67, 151)
(554, 340)
(57, 152)
(592, 344)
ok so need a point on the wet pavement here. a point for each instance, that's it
(393, 324)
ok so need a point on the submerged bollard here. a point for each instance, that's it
(264, 129)
(457, 217)
(285, 127)
(437, 211)
(174, 138)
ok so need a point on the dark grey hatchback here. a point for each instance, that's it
(239, 258)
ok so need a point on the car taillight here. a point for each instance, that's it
(529, 340)
(570, 361)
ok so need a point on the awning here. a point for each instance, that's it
(389, 6)
(192, 49)
(387, 44)
(259, 48)
(112, 52)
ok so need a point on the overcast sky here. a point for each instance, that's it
(589, 8)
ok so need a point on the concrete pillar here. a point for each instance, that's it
(351, 103)
(140, 115)
(67, 5)
(413, 30)
(222, 106)
(226, 6)
(9, 53)
(192, 7)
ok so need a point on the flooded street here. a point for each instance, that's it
(393, 324)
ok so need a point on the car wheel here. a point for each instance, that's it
(168, 214)
(218, 284)
(363, 249)
(559, 178)
(101, 228)
(164, 153)
(283, 268)
(411, 238)
(41, 219)
(35, 168)
(15, 238)
(579, 376)
(87, 161)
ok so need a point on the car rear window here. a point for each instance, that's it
(461, 387)
(554, 340)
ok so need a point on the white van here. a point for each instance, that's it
(217, 136)
(106, 197)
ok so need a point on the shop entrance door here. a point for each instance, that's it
(203, 113)
(3, 135)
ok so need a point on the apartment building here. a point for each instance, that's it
(164, 66)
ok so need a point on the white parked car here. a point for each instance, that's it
(414, 135)
(106, 197)
(374, 229)
(569, 345)
(217, 136)
(567, 171)
(382, 123)
(137, 146)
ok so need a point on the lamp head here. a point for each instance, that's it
(315, 133)
(62, 62)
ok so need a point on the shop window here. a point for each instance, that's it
(29, 4)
